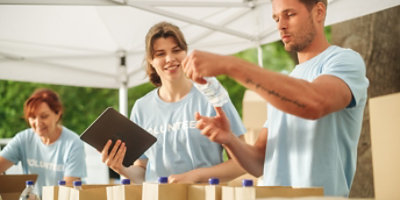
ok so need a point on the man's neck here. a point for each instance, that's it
(316, 47)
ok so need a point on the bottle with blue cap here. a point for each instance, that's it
(77, 184)
(247, 183)
(213, 91)
(125, 181)
(163, 180)
(213, 181)
(61, 183)
(29, 193)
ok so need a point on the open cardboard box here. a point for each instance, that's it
(11, 186)
(384, 114)
(257, 192)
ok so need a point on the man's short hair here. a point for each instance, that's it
(310, 3)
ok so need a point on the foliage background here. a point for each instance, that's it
(82, 105)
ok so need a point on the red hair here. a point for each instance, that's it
(39, 96)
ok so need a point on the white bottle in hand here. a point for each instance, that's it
(29, 192)
(214, 91)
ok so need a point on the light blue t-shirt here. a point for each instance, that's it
(65, 157)
(180, 146)
(302, 152)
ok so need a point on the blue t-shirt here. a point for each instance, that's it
(302, 152)
(64, 158)
(180, 146)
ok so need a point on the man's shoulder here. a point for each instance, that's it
(342, 52)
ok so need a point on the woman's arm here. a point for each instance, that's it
(225, 171)
(4, 164)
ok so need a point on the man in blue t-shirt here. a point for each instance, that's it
(314, 114)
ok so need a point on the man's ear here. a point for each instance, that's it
(319, 12)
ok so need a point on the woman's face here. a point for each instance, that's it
(167, 59)
(44, 120)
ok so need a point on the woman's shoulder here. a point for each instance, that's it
(68, 134)
(147, 97)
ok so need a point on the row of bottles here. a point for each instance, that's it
(211, 181)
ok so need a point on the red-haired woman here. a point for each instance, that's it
(47, 148)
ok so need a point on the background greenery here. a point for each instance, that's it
(82, 104)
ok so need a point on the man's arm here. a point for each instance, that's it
(311, 100)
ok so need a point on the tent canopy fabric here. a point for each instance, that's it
(100, 43)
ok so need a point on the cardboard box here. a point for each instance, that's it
(124, 192)
(254, 110)
(155, 191)
(256, 192)
(88, 192)
(11, 186)
(51, 193)
(204, 192)
(384, 114)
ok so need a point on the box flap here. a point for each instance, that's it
(15, 182)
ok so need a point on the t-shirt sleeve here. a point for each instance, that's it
(13, 150)
(235, 121)
(349, 66)
(76, 163)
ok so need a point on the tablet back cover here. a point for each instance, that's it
(113, 125)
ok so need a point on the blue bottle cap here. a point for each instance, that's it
(29, 182)
(247, 182)
(163, 179)
(61, 182)
(77, 183)
(213, 181)
(126, 181)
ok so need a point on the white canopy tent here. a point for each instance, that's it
(100, 43)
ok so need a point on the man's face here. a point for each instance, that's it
(295, 24)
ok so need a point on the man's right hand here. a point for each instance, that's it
(217, 128)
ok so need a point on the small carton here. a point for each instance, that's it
(88, 192)
(173, 191)
(124, 192)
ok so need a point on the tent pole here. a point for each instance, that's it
(260, 55)
(123, 88)
(123, 99)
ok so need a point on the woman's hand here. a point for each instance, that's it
(189, 177)
(115, 157)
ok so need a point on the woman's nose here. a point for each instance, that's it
(169, 57)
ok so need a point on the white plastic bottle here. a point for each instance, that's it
(214, 91)
(125, 181)
(29, 192)
(163, 180)
(247, 183)
(77, 185)
(213, 181)
(61, 183)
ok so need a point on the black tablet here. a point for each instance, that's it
(113, 125)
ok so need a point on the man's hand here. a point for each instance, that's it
(217, 128)
(201, 64)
